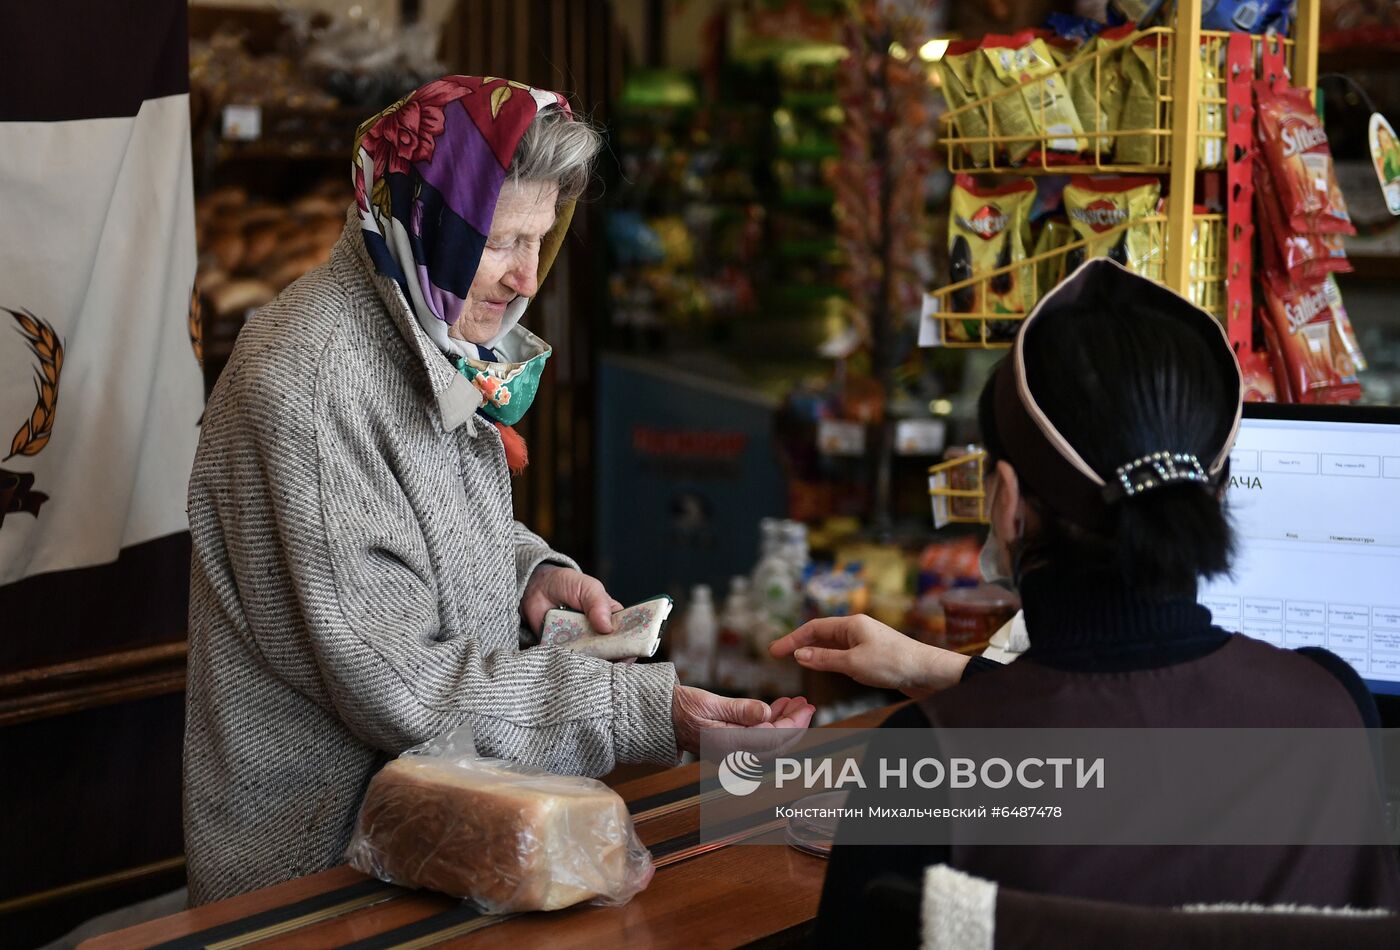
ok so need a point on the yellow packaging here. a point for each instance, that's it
(988, 229)
(1210, 145)
(1036, 112)
(1144, 66)
(1096, 207)
(1055, 233)
(1095, 80)
(955, 73)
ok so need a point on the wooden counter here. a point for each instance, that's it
(701, 896)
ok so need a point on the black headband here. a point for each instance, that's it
(1051, 468)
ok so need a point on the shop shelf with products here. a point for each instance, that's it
(1187, 121)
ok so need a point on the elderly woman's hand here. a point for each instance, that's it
(873, 654)
(553, 586)
(695, 709)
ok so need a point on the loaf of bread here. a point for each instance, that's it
(506, 838)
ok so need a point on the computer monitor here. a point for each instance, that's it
(1314, 494)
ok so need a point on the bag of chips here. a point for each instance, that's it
(1317, 365)
(989, 228)
(1258, 378)
(1306, 257)
(1144, 65)
(1344, 327)
(1054, 233)
(1210, 111)
(1095, 206)
(1034, 110)
(1095, 81)
(955, 74)
(1273, 349)
(1294, 142)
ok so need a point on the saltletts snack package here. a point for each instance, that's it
(1295, 144)
(955, 73)
(989, 228)
(1096, 206)
(1033, 109)
(502, 835)
(1317, 366)
(1306, 257)
(1344, 327)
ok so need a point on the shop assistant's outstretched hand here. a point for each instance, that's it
(552, 585)
(695, 709)
(873, 654)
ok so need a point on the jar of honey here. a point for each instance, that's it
(973, 614)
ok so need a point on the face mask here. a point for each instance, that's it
(508, 388)
(991, 561)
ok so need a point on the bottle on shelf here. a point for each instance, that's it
(733, 660)
(694, 657)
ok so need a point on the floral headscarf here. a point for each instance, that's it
(427, 172)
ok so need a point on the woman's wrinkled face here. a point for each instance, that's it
(510, 262)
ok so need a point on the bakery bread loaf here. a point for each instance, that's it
(506, 839)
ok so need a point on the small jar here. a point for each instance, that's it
(973, 614)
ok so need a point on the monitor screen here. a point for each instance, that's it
(1314, 494)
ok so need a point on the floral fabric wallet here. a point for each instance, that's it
(636, 631)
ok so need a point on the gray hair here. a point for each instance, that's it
(557, 148)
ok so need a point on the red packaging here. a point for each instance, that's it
(1295, 144)
(1258, 376)
(1316, 363)
(1273, 351)
(1306, 257)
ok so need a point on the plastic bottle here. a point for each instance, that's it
(695, 661)
(733, 663)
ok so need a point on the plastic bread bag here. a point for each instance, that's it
(1040, 108)
(502, 835)
(1294, 142)
(989, 228)
(1097, 206)
(955, 74)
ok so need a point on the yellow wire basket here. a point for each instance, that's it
(977, 137)
(963, 327)
(958, 489)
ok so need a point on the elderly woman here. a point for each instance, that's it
(359, 584)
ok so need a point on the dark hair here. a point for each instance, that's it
(1120, 380)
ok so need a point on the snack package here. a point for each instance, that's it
(1344, 327)
(1035, 108)
(989, 228)
(1210, 111)
(1095, 81)
(1144, 67)
(955, 72)
(1258, 378)
(1294, 142)
(1273, 350)
(1242, 16)
(1317, 365)
(1097, 206)
(1054, 233)
(1306, 257)
(502, 835)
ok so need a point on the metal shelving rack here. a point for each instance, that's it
(1199, 255)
